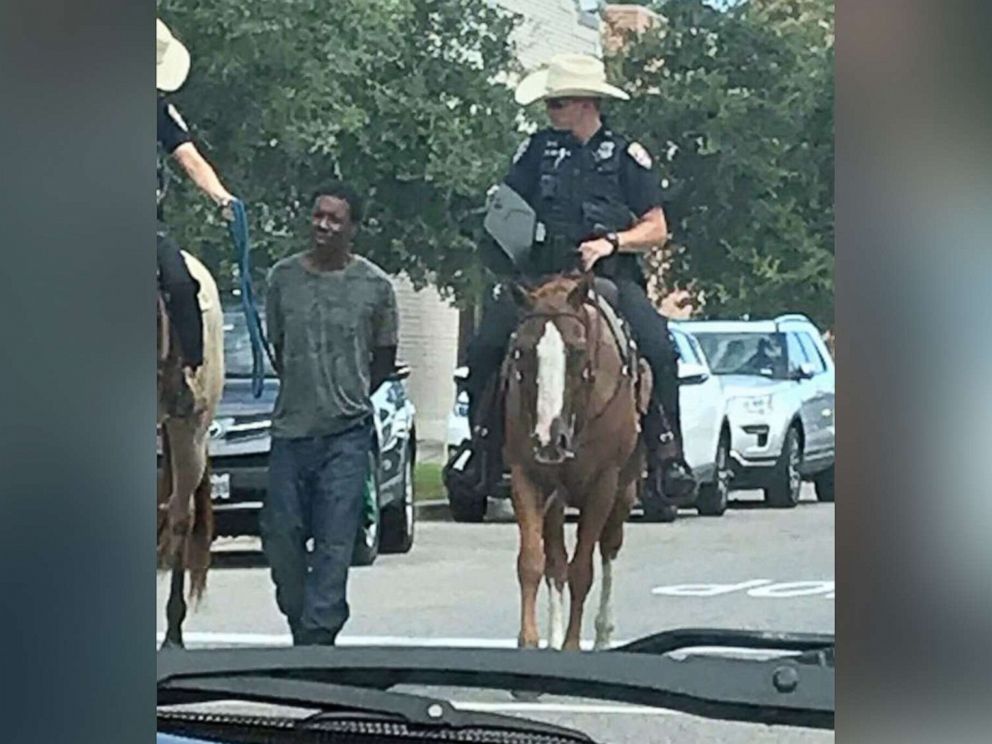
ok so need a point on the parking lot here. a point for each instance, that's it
(755, 568)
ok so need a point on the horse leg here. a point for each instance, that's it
(187, 463)
(530, 559)
(609, 547)
(555, 571)
(175, 608)
(580, 570)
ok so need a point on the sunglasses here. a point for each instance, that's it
(557, 103)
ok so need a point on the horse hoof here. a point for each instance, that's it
(168, 643)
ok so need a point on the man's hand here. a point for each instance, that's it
(593, 250)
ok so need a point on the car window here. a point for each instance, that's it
(796, 353)
(812, 352)
(744, 353)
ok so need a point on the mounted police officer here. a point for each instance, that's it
(179, 287)
(598, 203)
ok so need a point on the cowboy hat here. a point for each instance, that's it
(565, 76)
(171, 60)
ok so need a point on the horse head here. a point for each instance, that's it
(550, 364)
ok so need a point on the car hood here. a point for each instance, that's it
(738, 385)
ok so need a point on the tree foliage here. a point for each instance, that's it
(400, 98)
(404, 99)
(738, 105)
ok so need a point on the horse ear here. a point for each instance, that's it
(520, 296)
(580, 291)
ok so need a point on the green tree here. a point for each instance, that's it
(401, 98)
(738, 105)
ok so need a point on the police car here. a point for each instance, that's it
(778, 377)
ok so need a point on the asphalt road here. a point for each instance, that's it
(753, 568)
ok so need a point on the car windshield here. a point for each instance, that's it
(238, 361)
(385, 511)
(745, 353)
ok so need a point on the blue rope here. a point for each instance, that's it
(242, 252)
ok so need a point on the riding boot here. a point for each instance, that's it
(669, 475)
(187, 325)
(469, 471)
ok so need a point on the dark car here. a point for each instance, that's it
(239, 452)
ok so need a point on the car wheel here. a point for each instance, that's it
(713, 497)
(825, 486)
(782, 492)
(367, 539)
(396, 535)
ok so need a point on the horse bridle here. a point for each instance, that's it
(588, 376)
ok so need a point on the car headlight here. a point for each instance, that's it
(758, 405)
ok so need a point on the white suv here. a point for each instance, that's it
(778, 378)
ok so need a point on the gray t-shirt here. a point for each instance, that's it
(326, 324)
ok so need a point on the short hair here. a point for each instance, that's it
(342, 190)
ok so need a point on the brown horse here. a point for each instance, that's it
(185, 514)
(572, 438)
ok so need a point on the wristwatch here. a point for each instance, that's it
(613, 239)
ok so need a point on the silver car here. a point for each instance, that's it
(778, 378)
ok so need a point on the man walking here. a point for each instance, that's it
(332, 321)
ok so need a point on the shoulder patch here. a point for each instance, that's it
(521, 149)
(639, 154)
(174, 115)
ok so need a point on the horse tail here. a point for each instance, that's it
(200, 538)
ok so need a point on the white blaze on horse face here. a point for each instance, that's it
(550, 380)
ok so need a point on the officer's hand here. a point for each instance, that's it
(226, 211)
(593, 250)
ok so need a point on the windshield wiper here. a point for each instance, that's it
(795, 690)
(336, 699)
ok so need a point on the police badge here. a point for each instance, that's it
(605, 151)
(639, 154)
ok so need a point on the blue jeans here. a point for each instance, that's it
(315, 491)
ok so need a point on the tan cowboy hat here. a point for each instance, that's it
(171, 59)
(565, 76)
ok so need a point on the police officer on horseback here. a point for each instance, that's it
(598, 206)
(174, 139)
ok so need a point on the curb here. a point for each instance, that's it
(434, 510)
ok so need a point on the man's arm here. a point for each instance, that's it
(201, 173)
(650, 230)
(383, 364)
(385, 337)
(273, 321)
(643, 196)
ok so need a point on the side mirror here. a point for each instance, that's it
(401, 372)
(805, 371)
(692, 374)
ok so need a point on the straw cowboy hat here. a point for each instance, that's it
(171, 60)
(566, 76)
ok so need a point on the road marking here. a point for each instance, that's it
(756, 588)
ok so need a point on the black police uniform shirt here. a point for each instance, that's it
(171, 133)
(557, 174)
(569, 157)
